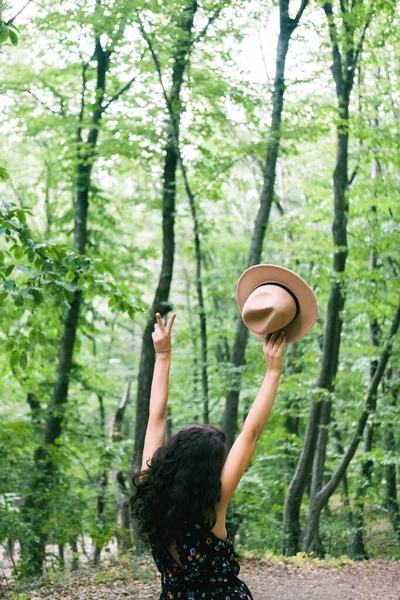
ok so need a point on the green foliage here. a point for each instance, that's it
(45, 83)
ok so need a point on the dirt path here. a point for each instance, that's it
(371, 580)
(268, 580)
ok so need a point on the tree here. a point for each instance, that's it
(183, 48)
(37, 505)
(287, 27)
(346, 50)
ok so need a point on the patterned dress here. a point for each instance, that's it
(209, 569)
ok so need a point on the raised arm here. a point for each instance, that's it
(157, 423)
(244, 447)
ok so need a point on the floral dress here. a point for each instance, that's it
(209, 569)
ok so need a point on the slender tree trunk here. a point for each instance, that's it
(392, 503)
(322, 497)
(345, 485)
(200, 297)
(313, 453)
(287, 26)
(121, 490)
(75, 554)
(195, 368)
(37, 504)
(193, 211)
(160, 302)
(101, 499)
(357, 547)
(335, 308)
(47, 199)
(61, 559)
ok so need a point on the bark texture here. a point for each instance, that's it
(357, 546)
(37, 503)
(313, 454)
(392, 503)
(322, 497)
(160, 302)
(287, 26)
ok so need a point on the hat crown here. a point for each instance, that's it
(268, 308)
(294, 311)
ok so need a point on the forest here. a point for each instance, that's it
(151, 152)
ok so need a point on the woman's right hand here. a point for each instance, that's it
(273, 347)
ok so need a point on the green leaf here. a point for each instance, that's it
(112, 301)
(23, 360)
(69, 296)
(38, 296)
(3, 172)
(100, 268)
(68, 286)
(14, 358)
(9, 285)
(10, 345)
(4, 33)
(19, 252)
(21, 216)
(85, 263)
(13, 37)
(70, 276)
(41, 337)
(9, 270)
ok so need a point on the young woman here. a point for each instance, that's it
(184, 487)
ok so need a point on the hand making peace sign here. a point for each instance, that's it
(162, 335)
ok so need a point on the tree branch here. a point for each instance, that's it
(216, 174)
(59, 112)
(210, 21)
(118, 94)
(362, 37)
(337, 69)
(10, 21)
(297, 18)
(325, 493)
(82, 109)
(354, 173)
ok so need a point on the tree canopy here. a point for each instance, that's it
(151, 151)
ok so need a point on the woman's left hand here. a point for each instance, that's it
(162, 335)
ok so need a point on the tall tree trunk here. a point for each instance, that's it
(200, 297)
(75, 554)
(392, 503)
(121, 489)
(37, 504)
(345, 484)
(357, 546)
(322, 496)
(195, 367)
(287, 26)
(193, 211)
(160, 301)
(101, 500)
(313, 454)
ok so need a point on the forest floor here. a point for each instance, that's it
(268, 579)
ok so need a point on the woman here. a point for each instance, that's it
(184, 487)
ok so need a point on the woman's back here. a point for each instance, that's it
(207, 569)
(190, 479)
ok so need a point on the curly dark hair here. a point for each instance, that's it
(182, 485)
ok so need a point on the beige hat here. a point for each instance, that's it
(272, 298)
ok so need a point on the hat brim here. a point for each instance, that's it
(258, 274)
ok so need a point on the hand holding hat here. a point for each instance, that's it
(271, 298)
